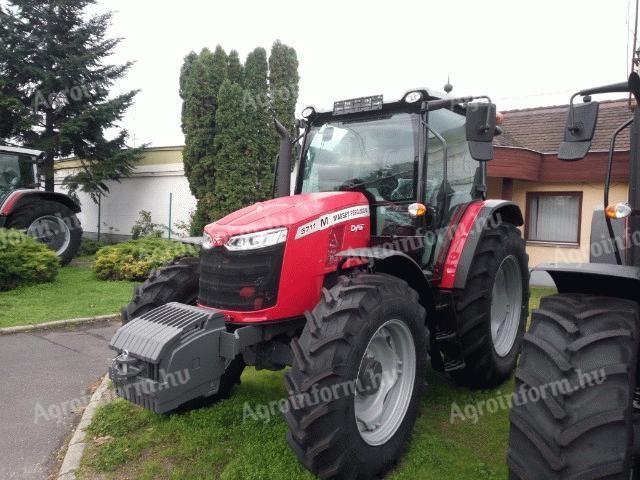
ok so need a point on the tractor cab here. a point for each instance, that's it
(18, 169)
(412, 158)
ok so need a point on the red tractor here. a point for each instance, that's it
(576, 408)
(379, 253)
(49, 217)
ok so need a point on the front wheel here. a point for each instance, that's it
(573, 410)
(357, 376)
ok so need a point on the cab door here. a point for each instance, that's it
(450, 184)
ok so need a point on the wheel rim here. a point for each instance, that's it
(386, 378)
(506, 305)
(52, 231)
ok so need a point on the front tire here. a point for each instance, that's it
(341, 423)
(582, 427)
(177, 282)
(492, 309)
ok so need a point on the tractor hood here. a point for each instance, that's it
(284, 212)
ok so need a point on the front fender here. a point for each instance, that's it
(398, 264)
(595, 279)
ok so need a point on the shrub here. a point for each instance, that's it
(134, 260)
(23, 261)
(144, 227)
(90, 247)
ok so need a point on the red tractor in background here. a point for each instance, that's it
(383, 253)
(49, 217)
(576, 412)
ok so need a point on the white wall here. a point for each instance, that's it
(149, 190)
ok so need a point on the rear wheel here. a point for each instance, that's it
(492, 309)
(179, 282)
(356, 379)
(572, 416)
(50, 223)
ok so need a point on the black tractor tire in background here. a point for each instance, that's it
(180, 282)
(325, 435)
(484, 367)
(582, 427)
(26, 215)
(177, 282)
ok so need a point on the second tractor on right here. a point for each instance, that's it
(576, 407)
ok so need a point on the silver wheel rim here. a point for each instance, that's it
(506, 305)
(386, 379)
(52, 231)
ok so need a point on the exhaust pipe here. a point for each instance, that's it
(283, 168)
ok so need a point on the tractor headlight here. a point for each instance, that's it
(253, 241)
(207, 241)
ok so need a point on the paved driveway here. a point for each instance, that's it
(43, 381)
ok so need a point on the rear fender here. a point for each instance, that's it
(595, 278)
(21, 198)
(462, 248)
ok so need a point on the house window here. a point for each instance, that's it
(554, 217)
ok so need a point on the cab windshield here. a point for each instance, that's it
(377, 153)
(10, 171)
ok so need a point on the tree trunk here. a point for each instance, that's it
(48, 172)
(47, 165)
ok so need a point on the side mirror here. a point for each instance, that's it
(481, 127)
(578, 131)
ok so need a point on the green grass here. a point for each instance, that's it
(75, 293)
(217, 443)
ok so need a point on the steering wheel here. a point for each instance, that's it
(11, 178)
(386, 185)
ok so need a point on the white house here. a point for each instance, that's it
(158, 186)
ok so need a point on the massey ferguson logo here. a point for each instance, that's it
(330, 219)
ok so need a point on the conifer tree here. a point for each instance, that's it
(283, 83)
(54, 89)
(235, 185)
(236, 74)
(260, 124)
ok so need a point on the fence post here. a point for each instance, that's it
(170, 212)
(99, 214)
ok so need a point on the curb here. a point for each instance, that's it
(77, 444)
(57, 324)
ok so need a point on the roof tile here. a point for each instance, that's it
(542, 128)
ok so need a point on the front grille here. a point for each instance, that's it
(240, 281)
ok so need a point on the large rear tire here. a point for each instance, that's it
(565, 425)
(51, 223)
(179, 282)
(341, 423)
(492, 309)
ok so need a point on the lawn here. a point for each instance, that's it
(75, 293)
(219, 443)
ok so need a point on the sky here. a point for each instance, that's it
(520, 53)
